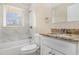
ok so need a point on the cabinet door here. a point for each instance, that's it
(68, 48)
(45, 50)
(48, 51)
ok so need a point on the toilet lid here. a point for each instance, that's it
(28, 47)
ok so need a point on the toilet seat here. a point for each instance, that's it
(29, 49)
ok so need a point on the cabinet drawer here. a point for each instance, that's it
(60, 45)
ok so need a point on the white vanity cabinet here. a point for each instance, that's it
(45, 50)
(58, 46)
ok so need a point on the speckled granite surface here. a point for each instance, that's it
(68, 37)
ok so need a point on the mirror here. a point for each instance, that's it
(73, 12)
(65, 12)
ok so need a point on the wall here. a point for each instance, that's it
(8, 34)
(43, 11)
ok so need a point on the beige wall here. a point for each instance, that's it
(43, 11)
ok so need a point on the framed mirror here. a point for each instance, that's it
(65, 12)
(73, 12)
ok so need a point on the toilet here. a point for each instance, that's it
(30, 49)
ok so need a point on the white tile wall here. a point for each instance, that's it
(8, 34)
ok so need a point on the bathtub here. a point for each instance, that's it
(12, 48)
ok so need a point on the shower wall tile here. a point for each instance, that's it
(10, 34)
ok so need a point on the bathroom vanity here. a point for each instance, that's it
(59, 44)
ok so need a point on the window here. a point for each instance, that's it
(13, 16)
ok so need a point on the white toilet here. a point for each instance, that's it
(30, 49)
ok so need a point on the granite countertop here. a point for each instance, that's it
(68, 37)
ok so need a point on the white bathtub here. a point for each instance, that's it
(12, 48)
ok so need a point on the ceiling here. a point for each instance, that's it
(27, 5)
(20, 5)
(64, 4)
(55, 4)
